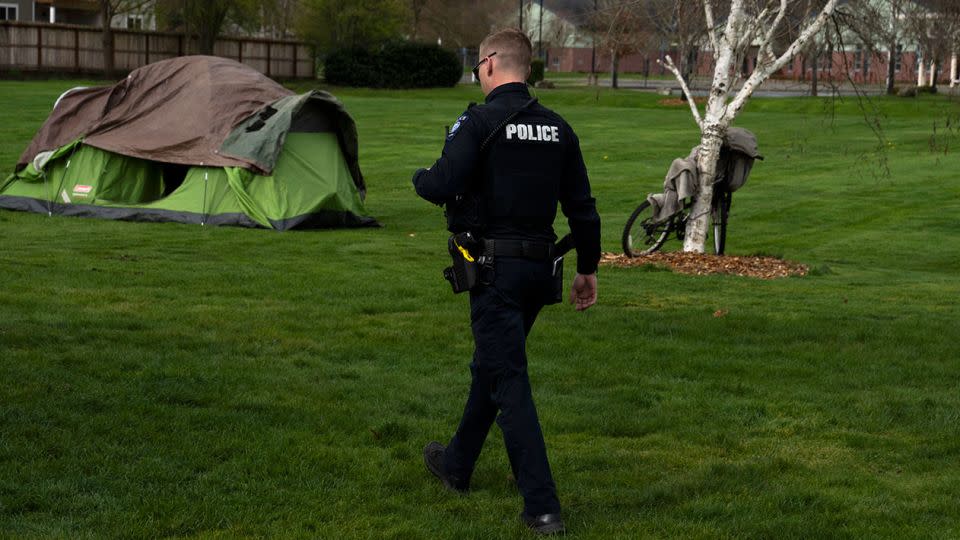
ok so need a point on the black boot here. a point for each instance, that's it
(433, 459)
(544, 523)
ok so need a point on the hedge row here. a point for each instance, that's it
(395, 65)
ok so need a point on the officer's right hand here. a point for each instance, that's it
(583, 293)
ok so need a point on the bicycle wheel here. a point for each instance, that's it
(642, 235)
(721, 212)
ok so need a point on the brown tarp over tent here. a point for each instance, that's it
(195, 140)
(156, 113)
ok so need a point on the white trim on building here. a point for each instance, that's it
(953, 70)
(6, 14)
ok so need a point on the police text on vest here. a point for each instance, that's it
(530, 132)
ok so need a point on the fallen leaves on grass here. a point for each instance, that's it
(677, 102)
(702, 264)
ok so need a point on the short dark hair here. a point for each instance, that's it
(513, 49)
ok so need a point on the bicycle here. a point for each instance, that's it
(642, 235)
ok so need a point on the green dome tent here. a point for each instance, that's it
(194, 139)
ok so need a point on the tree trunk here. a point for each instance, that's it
(209, 18)
(712, 130)
(416, 6)
(109, 66)
(106, 13)
(892, 68)
(690, 65)
(206, 42)
(892, 47)
(830, 62)
(614, 68)
(710, 142)
(815, 75)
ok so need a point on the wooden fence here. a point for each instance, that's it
(62, 48)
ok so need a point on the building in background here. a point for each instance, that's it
(16, 10)
(560, 28)
(82, 12)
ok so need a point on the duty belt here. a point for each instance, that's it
(526, 249)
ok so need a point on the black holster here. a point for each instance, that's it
(557, 280)
(464, 273)
(559, 250)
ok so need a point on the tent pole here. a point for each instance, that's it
(60, 185)
(203, 209)
(49, 196)
(63, 177)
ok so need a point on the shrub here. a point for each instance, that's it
(395, 65)
(536, 71)
(907, 91)
(351, 67)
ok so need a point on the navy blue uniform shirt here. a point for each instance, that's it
(532, 164)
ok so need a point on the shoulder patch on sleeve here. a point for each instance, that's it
(456, 126)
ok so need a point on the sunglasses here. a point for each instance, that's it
(476, 68)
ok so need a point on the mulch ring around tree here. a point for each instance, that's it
(677, 102)
(701, 264)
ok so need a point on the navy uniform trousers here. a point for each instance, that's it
(501, 316)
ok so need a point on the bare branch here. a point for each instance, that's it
(763, 71)
(720, 87)
(768, 38)
(750, 28)
(711, 25)
(733, 22)
(683, 86)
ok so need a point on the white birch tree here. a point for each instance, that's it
(750, 23)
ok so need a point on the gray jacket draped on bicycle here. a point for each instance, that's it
(683, 180)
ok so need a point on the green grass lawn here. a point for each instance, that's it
(173, 380)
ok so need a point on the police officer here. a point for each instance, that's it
(531, 162)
